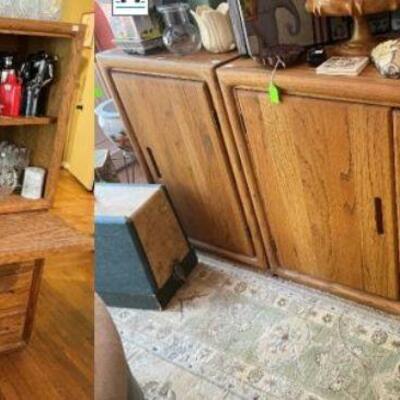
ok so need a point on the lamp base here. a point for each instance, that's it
(361, 43)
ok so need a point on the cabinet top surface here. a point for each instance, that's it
(34, 235)
(201, 59)
(369, 86)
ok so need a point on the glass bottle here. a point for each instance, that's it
(180, 35)
(8, 174)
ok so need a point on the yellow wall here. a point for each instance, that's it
(78, 154)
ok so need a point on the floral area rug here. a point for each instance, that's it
(235, 334)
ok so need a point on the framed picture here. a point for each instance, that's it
(88, 20)
(275, 22)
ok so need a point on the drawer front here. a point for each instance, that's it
(15, 286)
(15, 289)
(12, 330)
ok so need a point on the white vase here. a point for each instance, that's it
(215, 28)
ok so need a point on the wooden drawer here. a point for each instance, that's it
(15, 289)
(15, 286)
(12, 330)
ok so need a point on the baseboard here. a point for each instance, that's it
(370, 300)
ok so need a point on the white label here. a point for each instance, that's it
(75, 28)
(32, 187)
(130, 7)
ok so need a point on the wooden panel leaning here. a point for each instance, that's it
(175, 117)
(320, 167)
(26, 240)
(142, 253)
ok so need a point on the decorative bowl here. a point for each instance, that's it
(362, 41)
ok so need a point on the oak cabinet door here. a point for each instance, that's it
(176, 128)
(324, 173)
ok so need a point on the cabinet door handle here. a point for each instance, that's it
(153, 162)
(379, 216)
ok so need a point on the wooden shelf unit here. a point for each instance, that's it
(44, 136)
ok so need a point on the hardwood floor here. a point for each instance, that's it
(58, 363)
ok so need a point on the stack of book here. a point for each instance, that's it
(348, 66)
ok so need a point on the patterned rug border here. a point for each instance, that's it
(218, 263)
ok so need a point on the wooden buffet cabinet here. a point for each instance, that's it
(174, 114)
(319, 172)
(322, 168)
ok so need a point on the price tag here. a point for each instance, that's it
(274, 94)
(130, 7)
(273, 91)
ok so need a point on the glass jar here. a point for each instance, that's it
(8, 181)
(8, 174)
(50, 10)
(13, 162)
(180, 35)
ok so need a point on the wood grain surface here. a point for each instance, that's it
(44, 137)
(368, 88)
(8, 121)
(30, 27)
(160, 235)
(396, 127)
(17, 304)
(175, 126)
(200, 70)
(58, 363)
(30, 236)
(15, 284)
(324, 173)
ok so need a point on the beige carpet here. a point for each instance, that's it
(234, 334)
